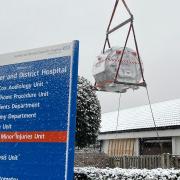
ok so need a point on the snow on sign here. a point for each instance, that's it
(37, 113)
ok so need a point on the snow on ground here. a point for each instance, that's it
(128, 174)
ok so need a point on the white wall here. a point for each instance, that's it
(105, 144)
(136, 147)
(176, 145)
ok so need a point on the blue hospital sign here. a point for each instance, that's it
(37, 113)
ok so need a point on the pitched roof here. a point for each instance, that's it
(167, 114)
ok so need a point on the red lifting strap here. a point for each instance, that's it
(131, 29)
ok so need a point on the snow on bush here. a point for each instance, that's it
(88, 114)
(127, 174)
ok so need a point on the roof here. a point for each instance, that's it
(166, 114)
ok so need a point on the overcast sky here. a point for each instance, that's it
(26, 24)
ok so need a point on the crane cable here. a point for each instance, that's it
(152, 115)
(153, 118)
(150, 106)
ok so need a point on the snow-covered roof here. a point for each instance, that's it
(167, 114)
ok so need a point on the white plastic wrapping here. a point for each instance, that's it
(105, 68)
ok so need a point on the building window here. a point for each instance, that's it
(154, 146)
